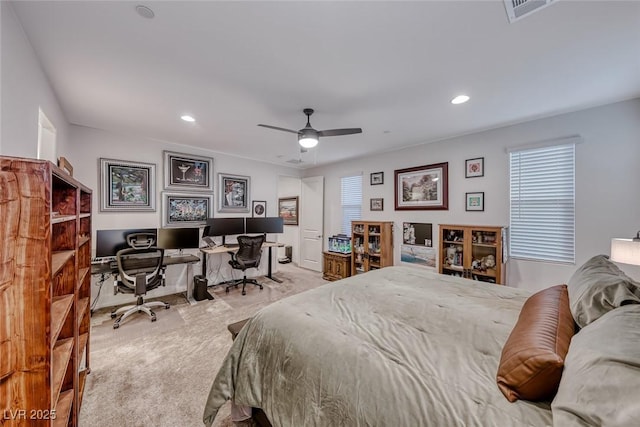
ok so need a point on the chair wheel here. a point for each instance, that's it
(244, 293)
(113, 315)
(260, 286)
(167, 307)
(226, 290)
(153, 319)
(116, 325)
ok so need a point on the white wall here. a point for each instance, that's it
(25, 89)
(607, 176)
(89, 145)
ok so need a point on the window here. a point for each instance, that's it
(542, 195)
(351, 201)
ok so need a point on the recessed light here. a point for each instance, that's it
(460, 99)
(188, 118)
(145, 11)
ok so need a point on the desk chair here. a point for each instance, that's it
(139, 271)
(247, 256)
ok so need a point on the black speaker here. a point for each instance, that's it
(200, 288)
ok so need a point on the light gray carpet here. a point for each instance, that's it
(159, 374)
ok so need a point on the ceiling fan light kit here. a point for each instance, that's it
(308, 137)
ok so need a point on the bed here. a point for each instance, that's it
(398, 346)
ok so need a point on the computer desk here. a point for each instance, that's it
(234, 248)
(111, 267)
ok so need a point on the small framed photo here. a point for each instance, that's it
(288, 210)
(474, 168)
(187, 172)
(376, 204)
(186, 210)
(233, 193)
(127, 186)
(259, 209)
(475, 201)
(377, 178)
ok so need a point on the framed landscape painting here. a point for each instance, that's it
(422, 187)
(127, 186)
(288, 210)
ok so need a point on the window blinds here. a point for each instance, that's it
(542, 195)
(351, 201)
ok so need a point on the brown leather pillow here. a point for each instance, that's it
(533, 356)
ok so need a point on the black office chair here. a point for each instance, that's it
(139, 271)
(247, 256)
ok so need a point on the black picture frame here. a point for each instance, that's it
(376, 178)
(187, 172)
(376, 204)
(474, 168)
(474, 202)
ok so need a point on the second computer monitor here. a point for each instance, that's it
(270, 224)
(224, 226)
(109, 242)
(178, 238)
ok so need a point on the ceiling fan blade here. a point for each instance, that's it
(338, 132)
(277, 128)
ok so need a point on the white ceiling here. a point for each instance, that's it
(387, 67)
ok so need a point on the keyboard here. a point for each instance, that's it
(232, 245)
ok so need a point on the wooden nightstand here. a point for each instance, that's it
(336, 266)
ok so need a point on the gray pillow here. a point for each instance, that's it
(599, 384)
(598, 287)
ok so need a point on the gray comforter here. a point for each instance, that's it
(400, 346)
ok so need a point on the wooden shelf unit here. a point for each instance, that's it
(371, 245)
(473, 252)
(45, 289)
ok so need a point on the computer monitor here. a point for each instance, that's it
(224, 226)
(270, 224)
(178, 238)
(109, 242)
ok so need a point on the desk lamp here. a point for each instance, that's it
(626, 251)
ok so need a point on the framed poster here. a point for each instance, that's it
(376, 178)
(185, 210)
(127, 186)
(259, 209)
(474, 168)
(376, 204)
(233, 193)
(288, 210)
(474, 201)
(187, 172)
(422, 187)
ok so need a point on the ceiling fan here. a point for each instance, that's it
(308, 137)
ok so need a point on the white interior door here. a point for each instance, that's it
(311, 222)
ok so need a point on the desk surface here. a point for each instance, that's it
(234, 248)
(112, 266)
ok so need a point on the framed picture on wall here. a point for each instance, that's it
(127, 186)
(186, 210)
(259, 209)
(233, 193)
(474, 168)
(187, 172)
(422, 187)
(376, 178)
(475, 201)
(288, 210)
(376, 204)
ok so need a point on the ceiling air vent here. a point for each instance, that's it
(517, 9)
(295, 161)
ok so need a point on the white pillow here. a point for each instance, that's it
(601, 377)
(598, 287)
